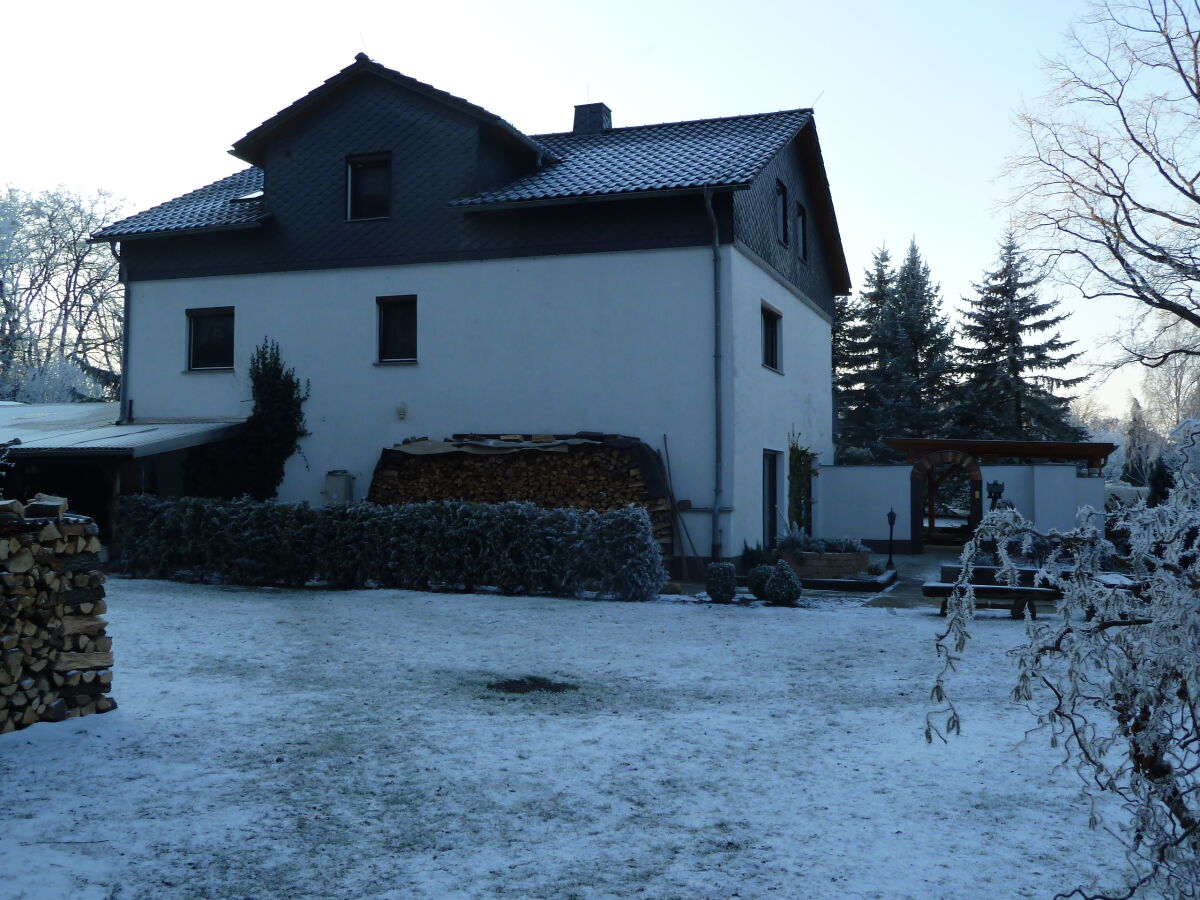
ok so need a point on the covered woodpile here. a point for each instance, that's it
(55, 659)
(584, 471)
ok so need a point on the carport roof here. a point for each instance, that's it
(90, 429)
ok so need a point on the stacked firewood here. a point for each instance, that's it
(583, 476)
(55, 659)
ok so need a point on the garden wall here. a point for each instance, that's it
(55, 658)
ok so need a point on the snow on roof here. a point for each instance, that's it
(90, 429)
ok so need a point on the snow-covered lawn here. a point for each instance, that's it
(277, 744)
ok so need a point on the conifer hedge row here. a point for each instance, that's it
(514, 547)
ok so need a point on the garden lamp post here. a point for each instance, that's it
(995, 491)
(891, 517)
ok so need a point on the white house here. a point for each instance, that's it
(432, 270)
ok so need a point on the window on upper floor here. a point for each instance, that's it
(771, 328)
(369, 186)
(781, 213)
(210, 338)
(397, 328)
(802, 232)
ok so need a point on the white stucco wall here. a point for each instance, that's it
(614, 342)
(853, 501)
(768, 404)
(617, 342)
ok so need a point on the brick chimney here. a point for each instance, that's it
(591, 117)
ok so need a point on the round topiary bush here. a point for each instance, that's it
(783, 587)
(759, 576)
(720, 581)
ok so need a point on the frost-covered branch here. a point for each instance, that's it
(1115, 679)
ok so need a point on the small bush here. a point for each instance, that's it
(783, 587)
(514, 547)
(720, 581)
(759, 576)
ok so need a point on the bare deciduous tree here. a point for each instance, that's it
(60, 299)
(1110, 175)
(1172, 389)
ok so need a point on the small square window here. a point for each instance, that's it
(210, 338)
(770, 338)
(802, 232)
(397, 328)
(781, 213)
(369, 186)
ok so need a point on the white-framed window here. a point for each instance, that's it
(210, 338)
(369, 186)
(772, 328)
(397, 328)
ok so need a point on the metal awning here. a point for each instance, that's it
(90, 429)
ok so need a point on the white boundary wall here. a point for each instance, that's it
(852, 501)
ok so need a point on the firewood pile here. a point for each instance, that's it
(584, 474)
(55, 659)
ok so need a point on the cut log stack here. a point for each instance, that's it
(55, 659)
(583, 476)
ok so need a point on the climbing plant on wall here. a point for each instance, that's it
(802, 469)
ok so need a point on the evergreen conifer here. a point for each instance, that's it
(906, 386)
(1008, 370)
(853, 356)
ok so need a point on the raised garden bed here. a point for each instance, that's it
(811, 566)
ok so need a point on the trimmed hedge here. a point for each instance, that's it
(514, 547)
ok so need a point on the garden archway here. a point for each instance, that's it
(925, 480)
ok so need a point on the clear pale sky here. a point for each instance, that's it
(914, 101)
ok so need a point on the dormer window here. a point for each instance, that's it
(369, 186)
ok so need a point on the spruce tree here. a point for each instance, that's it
(906, 387)
(1009, 368)
(853, 356)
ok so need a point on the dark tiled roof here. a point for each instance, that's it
(249, 147)
(212, 207)
(672, 156)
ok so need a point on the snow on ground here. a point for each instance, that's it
(286, 744)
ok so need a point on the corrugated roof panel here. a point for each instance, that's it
(89, 429)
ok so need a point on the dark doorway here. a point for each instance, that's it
(770, 497)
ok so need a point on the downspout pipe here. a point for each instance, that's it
(125, 414)
(718, 454)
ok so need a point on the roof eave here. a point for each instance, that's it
(596, 198)
(100, 238)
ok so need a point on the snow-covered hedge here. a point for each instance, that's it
(515, 547)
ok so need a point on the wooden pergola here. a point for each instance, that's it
(989, 452)
(960, 455)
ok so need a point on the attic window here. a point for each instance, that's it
(781, 213)
(802, 232)
(369, 186)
